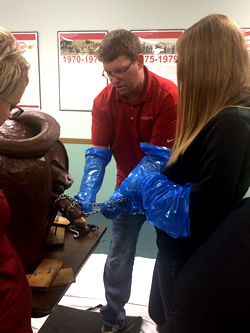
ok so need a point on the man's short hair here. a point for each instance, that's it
(118, 43)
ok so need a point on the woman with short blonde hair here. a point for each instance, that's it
(15, 294)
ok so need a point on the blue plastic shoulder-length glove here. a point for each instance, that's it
(156, 159)
(96, 160)
(112, 211)
(166, 204)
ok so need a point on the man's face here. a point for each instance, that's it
(124, 74)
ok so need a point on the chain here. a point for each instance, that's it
(96, 204)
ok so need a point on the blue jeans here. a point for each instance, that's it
(119, 266)
(166, 272)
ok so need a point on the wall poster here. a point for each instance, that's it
(159, 50)
(80, 73)
(28, 41)
(246, 32)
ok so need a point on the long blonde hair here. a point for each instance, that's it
(213, 72)
(14, 68)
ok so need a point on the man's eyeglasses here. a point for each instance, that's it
(116, 74)
(15, 110)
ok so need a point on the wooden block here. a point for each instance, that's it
(80, 222)
(64, 277)
(61, 221)
(55, 236)
(45, 274)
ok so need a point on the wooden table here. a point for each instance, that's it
(74, 253)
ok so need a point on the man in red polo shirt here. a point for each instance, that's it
(137, 107)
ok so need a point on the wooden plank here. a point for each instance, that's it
(55, 236)
(45, 274)
(61, 221)
(80, 222)
(74, 140)
(64, 277)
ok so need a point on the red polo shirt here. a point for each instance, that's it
(123, 126)
(15, 293)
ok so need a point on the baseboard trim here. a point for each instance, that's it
(74, 140)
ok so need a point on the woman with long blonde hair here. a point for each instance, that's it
(209, 169)
(213, 73)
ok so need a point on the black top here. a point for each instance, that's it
(217, 163)
(212, 292)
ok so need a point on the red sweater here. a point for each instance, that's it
(15, 294)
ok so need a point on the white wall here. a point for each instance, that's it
(49, 16)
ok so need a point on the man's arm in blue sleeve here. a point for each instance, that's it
(96, 160)
(155, 159)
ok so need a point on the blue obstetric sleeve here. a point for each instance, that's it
(156, 159)
(166, 204)
(96, 160)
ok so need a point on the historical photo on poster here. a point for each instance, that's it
(80, 72)
(246, 32)
(159, 50)
(28, 42)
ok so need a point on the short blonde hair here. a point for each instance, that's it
(14, 68)
(213, 72)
